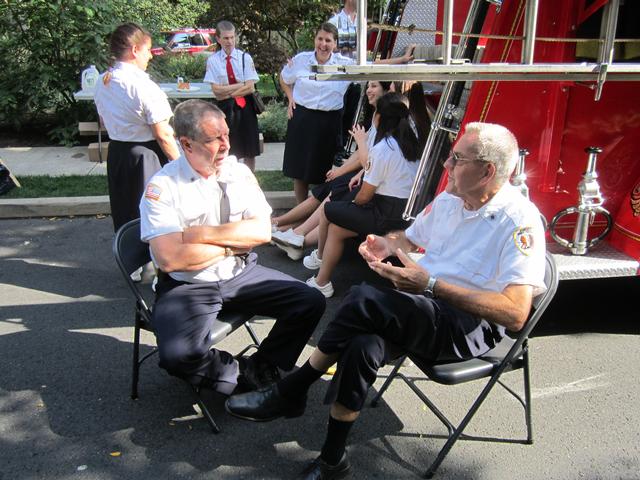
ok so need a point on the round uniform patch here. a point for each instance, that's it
(523, 238)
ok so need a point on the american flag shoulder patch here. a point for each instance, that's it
(152, 192)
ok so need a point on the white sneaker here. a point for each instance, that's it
(311, 261)
(136, 276)
(288, 238)
(294, 253)
(326, 290)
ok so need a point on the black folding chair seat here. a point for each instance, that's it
(473, 369)
(510, 354)
(131, 253)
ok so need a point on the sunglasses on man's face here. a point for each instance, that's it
(456, 159)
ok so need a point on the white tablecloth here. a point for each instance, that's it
(198, 90)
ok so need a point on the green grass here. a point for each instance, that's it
(64, 186)
(90, 185)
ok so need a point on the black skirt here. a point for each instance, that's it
(338, 188)
(130, 165)
(243, 127)
(313, 137)
(381, 215)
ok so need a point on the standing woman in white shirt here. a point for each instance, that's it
(232, 76)
(377, 208)
(136, 113)
(313, 132)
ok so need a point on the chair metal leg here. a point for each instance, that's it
(204, 409)
(387, 382)
(527, 397)
(463, 424)
(253, 335)
(136, 356)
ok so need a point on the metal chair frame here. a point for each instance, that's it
(131, 253)
(510, 354)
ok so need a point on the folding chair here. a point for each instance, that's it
(509, 354)
(131, 253)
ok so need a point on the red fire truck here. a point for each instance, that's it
(565, 78)
(187, 40)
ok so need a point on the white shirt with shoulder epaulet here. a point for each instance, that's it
(129, 103)
(388, 170)
(217, 68)
(312, 94)
(498, 245)
(178, 197)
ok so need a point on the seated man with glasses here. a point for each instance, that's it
(484, 261)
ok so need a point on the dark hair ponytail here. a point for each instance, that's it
(418, 110)
(124, 37)
(394, 122)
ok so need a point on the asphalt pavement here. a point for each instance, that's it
(65, 350)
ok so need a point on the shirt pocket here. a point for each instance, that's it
(478, 265)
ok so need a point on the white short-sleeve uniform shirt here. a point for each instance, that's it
(371, 136)
(500, 244)
(178, 197)
(130, 103)
(217, 68)
(388, 170)
(343, 20)
(312, 94)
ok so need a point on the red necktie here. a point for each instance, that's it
(240, 101)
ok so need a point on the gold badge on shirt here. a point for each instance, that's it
(367, 167)
(523, 239)
(152, 192)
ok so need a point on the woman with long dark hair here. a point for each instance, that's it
(136, 113)
(289, 234)
(377, 208)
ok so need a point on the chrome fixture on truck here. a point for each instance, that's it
(590, 205)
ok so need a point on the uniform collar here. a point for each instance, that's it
(314, 61)
(131, 68)
(188, 174)
(497, 202)
(235, 54)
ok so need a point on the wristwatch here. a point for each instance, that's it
(228, 252)
(431, 283)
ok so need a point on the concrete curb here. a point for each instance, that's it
(98, 205)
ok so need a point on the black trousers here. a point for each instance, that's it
(243, 127)
(184, 313)
(373, 326)
(130, 165)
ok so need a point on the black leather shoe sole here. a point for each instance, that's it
(319, 470)
(289, 414)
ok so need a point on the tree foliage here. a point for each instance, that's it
(273, 29)
(45, 45)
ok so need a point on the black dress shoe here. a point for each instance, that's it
(255, 375)
(264, 405)
(321, 470)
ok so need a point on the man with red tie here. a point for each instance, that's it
(232, 76)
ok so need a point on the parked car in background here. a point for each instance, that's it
(187, 40)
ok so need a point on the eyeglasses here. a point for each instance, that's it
(456, 160)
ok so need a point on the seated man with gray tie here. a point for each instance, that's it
(202, 214)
